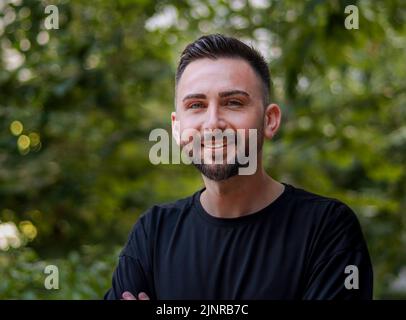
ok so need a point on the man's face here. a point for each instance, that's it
(222, 95)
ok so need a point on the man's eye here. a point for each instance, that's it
(234, 103)
(196, 105)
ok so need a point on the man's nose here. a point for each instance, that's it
(214, 119)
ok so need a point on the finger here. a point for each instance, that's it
(143, 296)
(128, 296)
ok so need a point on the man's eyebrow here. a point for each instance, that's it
(194, 96)
(223, 94)
(232, 92)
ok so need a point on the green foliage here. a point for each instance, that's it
(87, 95)
(82, 275)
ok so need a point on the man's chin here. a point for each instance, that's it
(218, 172)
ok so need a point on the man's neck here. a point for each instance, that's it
(240, 195)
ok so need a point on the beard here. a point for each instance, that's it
(223, 171)
(218, 172)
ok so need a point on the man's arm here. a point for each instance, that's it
(346, 275)
(133, 273)
(340, 267)
(127, 277)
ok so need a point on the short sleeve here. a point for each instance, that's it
(134, 271)
(340, 267)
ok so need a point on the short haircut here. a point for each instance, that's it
(216, 46)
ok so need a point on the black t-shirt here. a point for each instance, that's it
(301, 246)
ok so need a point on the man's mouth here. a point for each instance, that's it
(214, 146)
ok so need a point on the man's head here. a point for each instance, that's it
(217, 46)
(223, 84)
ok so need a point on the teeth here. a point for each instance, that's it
(214, 145)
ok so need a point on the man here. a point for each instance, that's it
(242, 236)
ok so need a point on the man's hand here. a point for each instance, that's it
(128, 296)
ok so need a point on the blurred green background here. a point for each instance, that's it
(77, 105)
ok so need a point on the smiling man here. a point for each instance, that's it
(242, 236)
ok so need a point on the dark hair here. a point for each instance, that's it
(216, 46)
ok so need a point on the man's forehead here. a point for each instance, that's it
(220, 67)
(219, 75)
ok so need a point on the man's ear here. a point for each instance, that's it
(175, 128)
(272, 120)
